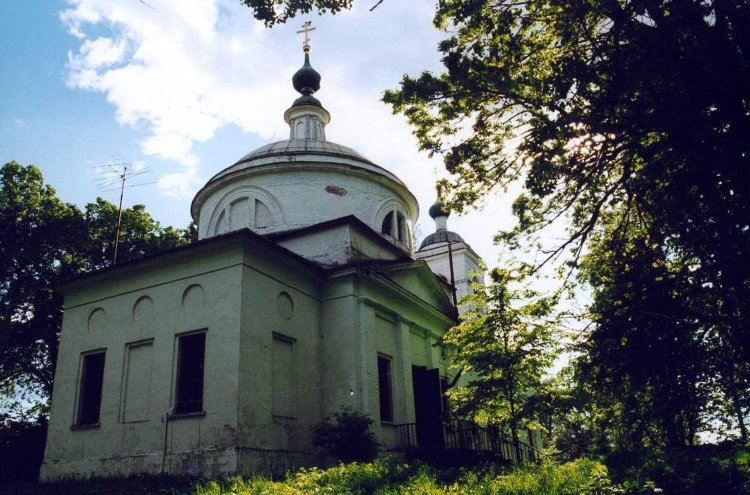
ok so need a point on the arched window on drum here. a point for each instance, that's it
(395, 225)
(243, 212)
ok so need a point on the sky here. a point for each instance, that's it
(184, 88)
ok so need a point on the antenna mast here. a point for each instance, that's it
(112, 174)
(123, 177)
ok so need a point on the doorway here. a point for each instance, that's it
(428, 407)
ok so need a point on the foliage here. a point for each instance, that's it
(697, 470)
(140, 235)
(385, 477)
(346, 436)
(602, 112)
(614, 113)
(703, 470)
(280, 11)
(651, 361)
(42, 242)
(21, 448)
(506, 342)
(574, 423)
(37, 231)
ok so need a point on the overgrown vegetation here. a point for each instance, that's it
(382, 477)
(346, 436)
(507, 339)
(714, 470)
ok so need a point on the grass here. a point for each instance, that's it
(381, 477)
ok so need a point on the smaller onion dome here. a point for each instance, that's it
(307, 100)
(439, 210)
(306, 80)
(439, 237)
(440, 213)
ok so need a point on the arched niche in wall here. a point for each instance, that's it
(245, 207)
(196, 312)
(392, 220)
(97, 320)
(193, 298)
(143, 310)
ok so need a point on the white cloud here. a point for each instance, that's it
(179, 184)
(101, 52)
(184, 69)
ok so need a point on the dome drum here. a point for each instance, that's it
(301, 195)
(303, 181)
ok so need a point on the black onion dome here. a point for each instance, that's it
(307, 100)
(440, 236)
(306, 80)
(439, 210)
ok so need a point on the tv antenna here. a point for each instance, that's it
(114, 174)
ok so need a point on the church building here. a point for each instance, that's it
(302, 296)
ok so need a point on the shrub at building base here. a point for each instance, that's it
(346, 436)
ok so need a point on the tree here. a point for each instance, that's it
(508, 345)
(280, 11)
(42, 242)
(140, 235)
(641, 108)
(649, 358)
(38, 235)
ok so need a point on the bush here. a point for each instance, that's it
(697, 470)
(347, 436)
(21, 449)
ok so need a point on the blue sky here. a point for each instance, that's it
(187, 87)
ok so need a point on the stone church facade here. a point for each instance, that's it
(302, 296)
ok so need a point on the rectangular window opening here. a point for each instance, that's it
(191, 353)
(90, 389)
(385, 388)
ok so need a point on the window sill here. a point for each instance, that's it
(198, 414)
(387, 422)
(135, 421)
(281, 416)
(85, 427)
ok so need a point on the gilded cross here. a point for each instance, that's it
(306, 28)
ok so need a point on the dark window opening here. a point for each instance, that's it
(90, 398)
(191, 351)
(385, 388)
(387, 227)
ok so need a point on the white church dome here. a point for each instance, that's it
(303, 181)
